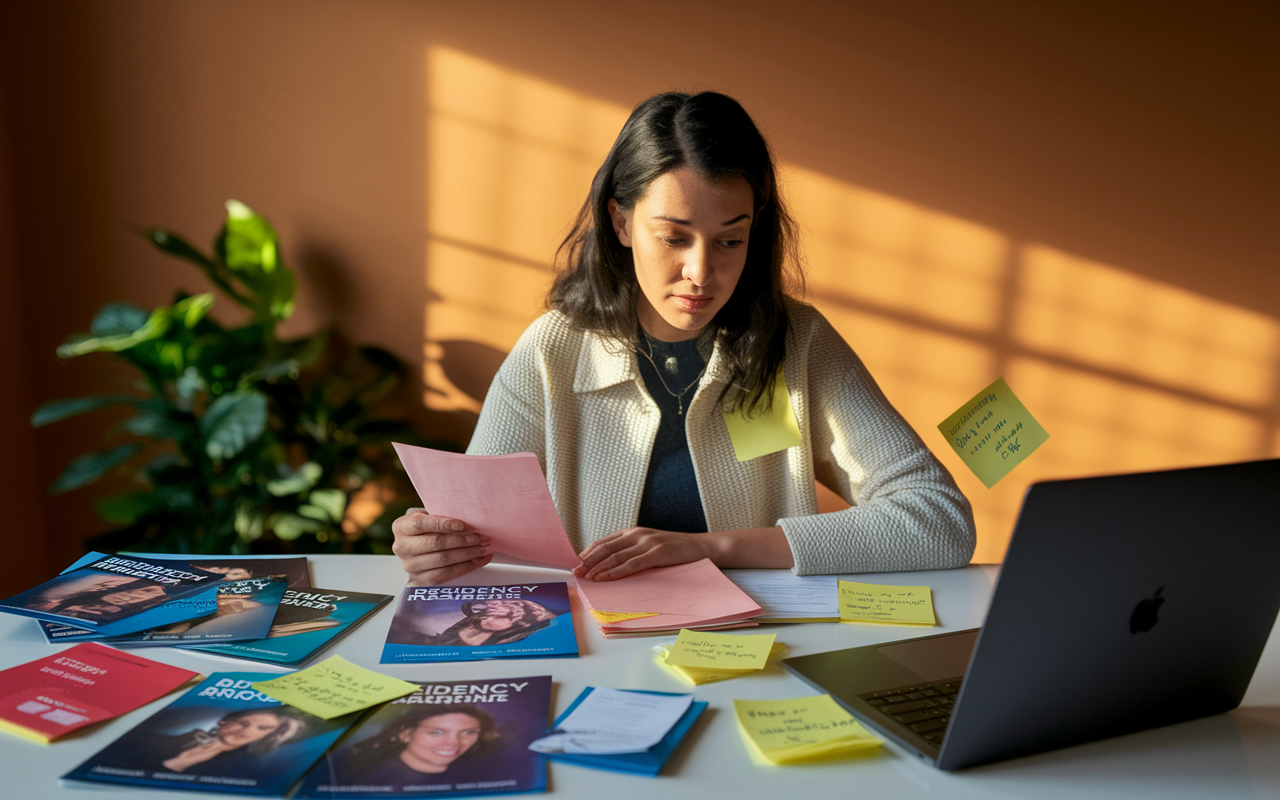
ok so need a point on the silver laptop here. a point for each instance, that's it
(1125, 602)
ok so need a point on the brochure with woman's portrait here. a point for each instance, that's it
(110, 591)
(469, 623)
(448, 739)
(221, 736)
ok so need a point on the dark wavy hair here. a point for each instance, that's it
(597, 289)
(387, 743)
(289, 728)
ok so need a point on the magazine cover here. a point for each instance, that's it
(306, 622)
(109, 589)
(469, 623)
(448, 739)
(245, 610)
(53, 696)
(201, 604)
(221, 736)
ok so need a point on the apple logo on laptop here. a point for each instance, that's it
(1144, 617)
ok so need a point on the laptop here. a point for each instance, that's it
(1125, 602)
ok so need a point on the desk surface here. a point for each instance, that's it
(1229, 756)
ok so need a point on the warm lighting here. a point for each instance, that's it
(1125, 372)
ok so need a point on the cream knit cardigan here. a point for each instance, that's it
(579, 403)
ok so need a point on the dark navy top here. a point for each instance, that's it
(671, 501)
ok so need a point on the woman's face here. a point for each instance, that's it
(130, 596)
(439, 741)
(498, 615)
(247, 729)
(231, 573)
(688, 238)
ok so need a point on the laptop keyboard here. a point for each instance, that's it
(924, 709)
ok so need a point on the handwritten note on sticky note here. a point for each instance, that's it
(993, 433)
(335, 687)
(721, 650)
(804, 727)
(765, 433)
(897, 605)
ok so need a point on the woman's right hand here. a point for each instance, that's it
(434, 550)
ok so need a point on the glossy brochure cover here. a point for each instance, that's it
(245, 612)
(53, 696)
(448, 739)
(201, 604)
(221, 736)
(110, 590)
(470, 623)
(306, 622)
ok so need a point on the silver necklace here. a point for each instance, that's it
(671, 366)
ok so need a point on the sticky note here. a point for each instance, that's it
(721, 650)
(801, 728)
(335, 687)
(774, 430)
(993, 433)
(618, 616)
(897, 605)
(700, 675)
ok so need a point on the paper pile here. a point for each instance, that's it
(803, 729)
(666, 599)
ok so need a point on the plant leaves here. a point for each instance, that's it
(117, 318)
(125, 509)
(249, 247)
(289, 526)
(295, 482)
(55, 410)
(155, 326)
(90, 467)
(332, 503)
(232, 422)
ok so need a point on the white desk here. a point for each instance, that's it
(1233, 755)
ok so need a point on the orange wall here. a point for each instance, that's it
(1080, 201)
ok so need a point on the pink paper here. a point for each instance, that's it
(504, 497)
(684, 596)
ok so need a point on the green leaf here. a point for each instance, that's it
(155, 425)
(155, 326)
(249, 247)
(90, 467)
(55, 410)
(295, 482)
(125, 509)
(232, 422)
(289, 526)
(249, 523)
(117, 318)
(191, 310)
(331, 503)
(177, 246)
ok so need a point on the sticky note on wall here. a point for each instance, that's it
(993, 433)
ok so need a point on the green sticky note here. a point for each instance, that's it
(993, 433)
(895, 605)
(765, 433)
(721, 650)
(335, 687)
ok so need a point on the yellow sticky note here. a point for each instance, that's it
(618, 616)
(765, 433)
(897, 605)
(801, 728)
(700, 675)
(993, 433)
(334, 687)
(721, 650)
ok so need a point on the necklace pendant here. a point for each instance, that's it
(671, 365)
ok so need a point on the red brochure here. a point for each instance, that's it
(53, 696)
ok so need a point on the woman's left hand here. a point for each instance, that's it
(625, 552)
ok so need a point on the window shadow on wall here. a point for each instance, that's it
(1126, 373)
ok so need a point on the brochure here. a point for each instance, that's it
(110, 590)
(307, 621)
(53, 696)
(470, 623)
(448, 739)
(244, 612)
(201, 604)
(648, 762)
(221, 736)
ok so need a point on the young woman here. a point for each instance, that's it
(424, 742)
(670, 341)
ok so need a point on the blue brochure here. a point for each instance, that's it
(108, 593)
(470, 623)
(221, 736)
(649, 762)
(306, 622)
(447, 739)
